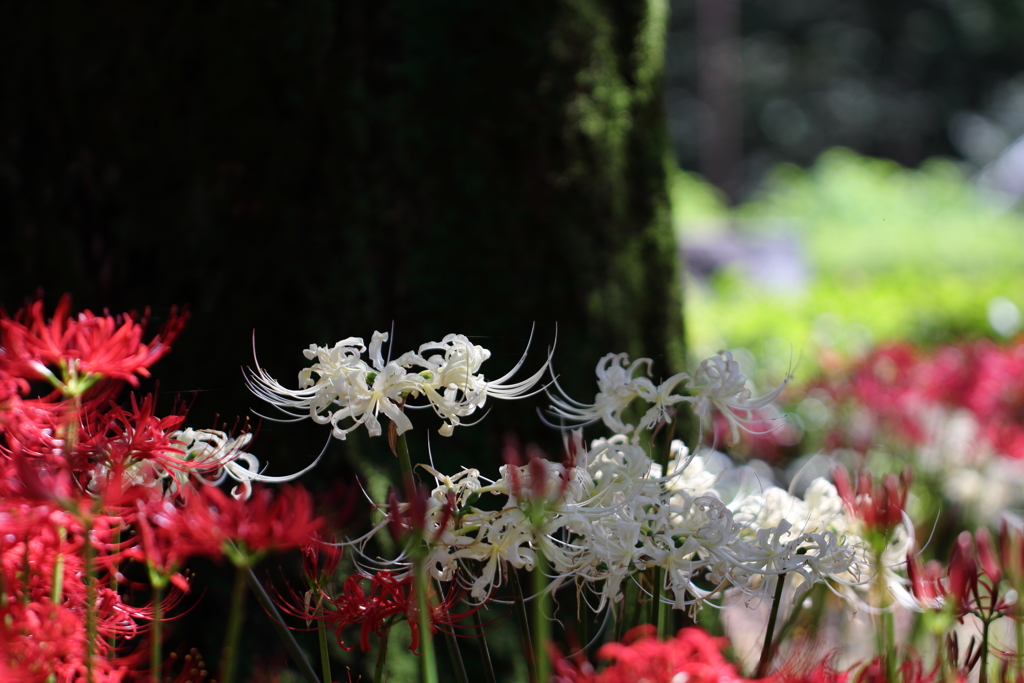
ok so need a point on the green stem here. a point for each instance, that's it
(428, 659)
(90, 600)
(454, 654)
(541, 623)
(325, 657)
(382, 657)
(287, 637)
(656, 601)
(485, 653)
(156, 644)
(114, 587)
(886, 637)
(983, 662)
(404, 462)
(229, 655)
(57, 592)
(767, 647)
(525, 641)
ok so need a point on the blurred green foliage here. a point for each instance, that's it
(893, 252)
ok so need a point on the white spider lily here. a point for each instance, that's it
(454, 386)
(344, 390)
(719, 383)
(617, 387)
(215, 453)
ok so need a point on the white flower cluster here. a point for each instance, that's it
(611, 514)
(343, 389)
(717, 383)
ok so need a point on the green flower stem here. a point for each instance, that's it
(157, 635)
(767, 647)
(428, 663)
(325, 656)
(403, 458)
(817, 597)
(886, 630)
(57, 591)
(287, 637)
(525, 640)
(983, 662)
(656, 605)
(541, 623)
(90, 599)
(485, 654)
(382, 656)
(453, 649)
(229, 655)
(114, 587)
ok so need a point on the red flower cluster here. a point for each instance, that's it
(104, 345)
(972, 581)
(879, 505)
(693, 653)
(87, 484)
(374, 607)
(895, 383)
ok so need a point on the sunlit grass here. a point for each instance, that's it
(893, 253)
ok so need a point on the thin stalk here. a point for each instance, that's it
(404, 462)
(287, 637)
(382, 656)
(983, 662)
(541, 623)
(428, 661)
(767, 647)
(156, 644)
(886, 630)
(485, 653)
(229, 654)
(711, 619)
(114, 587)
(325, 655)
(665, 614)
(57, 591)
(453, 651)
(655, 617)
(526, 642)
(90, 600)
(816, 595)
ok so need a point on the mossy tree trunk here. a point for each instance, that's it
(314, 170)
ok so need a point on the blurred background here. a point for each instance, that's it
(818, 176)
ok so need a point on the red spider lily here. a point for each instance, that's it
(375, 608)
(264, 523)
(97, 345)
(641, 656)
(879, 505)
(972, 581)
(315, 572)
(161, 544)
(912, 670)
(927, 582)
(409, 521)
(133, 440)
